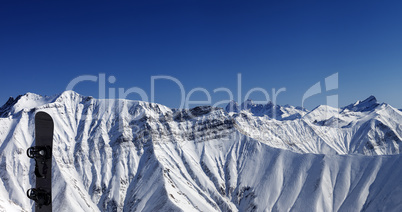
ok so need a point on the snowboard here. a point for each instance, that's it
(42, 154)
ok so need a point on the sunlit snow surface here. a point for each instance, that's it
(120, 155)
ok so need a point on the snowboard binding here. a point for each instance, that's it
(40, 196)
(40, 154)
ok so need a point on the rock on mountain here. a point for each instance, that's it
(121, 155)
(270, 110)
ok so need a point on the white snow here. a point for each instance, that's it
(121, 155)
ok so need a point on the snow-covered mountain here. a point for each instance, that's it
(121, 155)
(365, 127)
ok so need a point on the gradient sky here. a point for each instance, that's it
(273, 44)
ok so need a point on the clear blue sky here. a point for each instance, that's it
(273, 44)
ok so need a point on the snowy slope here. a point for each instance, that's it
(121, 155)
(366, 127)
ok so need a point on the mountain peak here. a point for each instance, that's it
(6, 108)
(232, 107)
(247, 104)
(67, 95)
(369, 100)
(361, 106)
(24, 102)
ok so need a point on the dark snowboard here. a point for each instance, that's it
(42, 153)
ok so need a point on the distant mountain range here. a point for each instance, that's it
(123, 155)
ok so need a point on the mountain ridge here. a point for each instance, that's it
(246, 105)
(123, 155)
